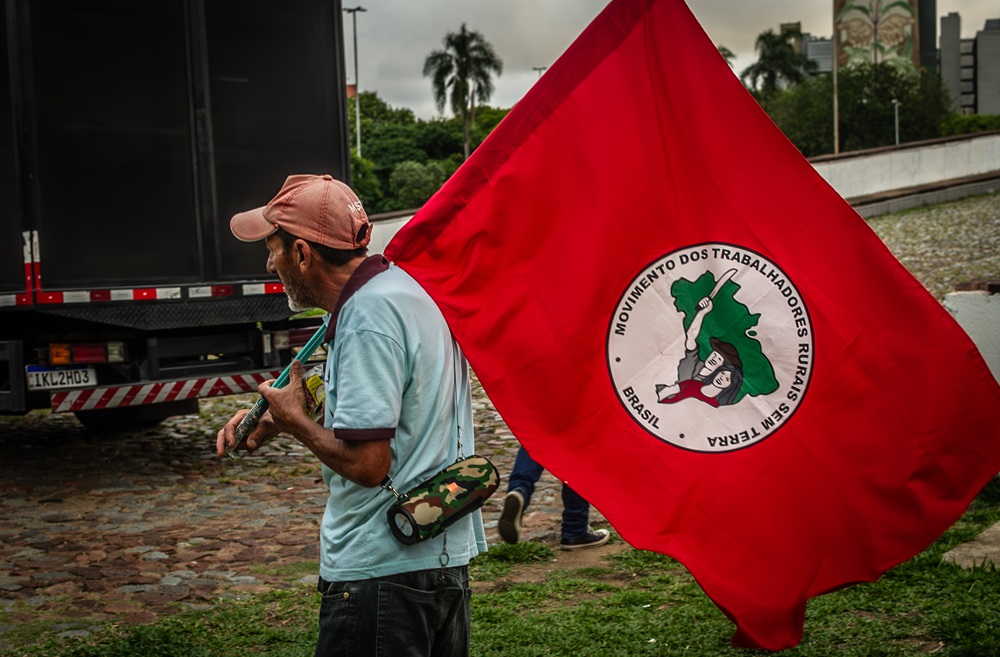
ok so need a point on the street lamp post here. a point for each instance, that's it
(895, 107)
(353, 11)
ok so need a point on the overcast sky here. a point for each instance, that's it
(395, 36)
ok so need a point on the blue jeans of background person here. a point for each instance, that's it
(524, 476)
(420, 613)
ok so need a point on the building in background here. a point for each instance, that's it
(970, 68)
(877, 31)
(988, 68)
(927, 20)
(905, 34)
(817, 49)
(956, 63)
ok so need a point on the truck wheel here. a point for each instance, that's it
(134, 417)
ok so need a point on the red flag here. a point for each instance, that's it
(674, 313)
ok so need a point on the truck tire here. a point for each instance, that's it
(106, 420)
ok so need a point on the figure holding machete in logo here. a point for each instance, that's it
(716, 379)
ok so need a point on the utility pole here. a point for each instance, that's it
(539, 69)
(353, 11)
(836, 99)
(895, 106)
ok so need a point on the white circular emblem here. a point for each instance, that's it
(711, 348)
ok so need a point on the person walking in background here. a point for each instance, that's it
(576, 531)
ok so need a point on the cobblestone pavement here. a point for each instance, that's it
(130, 527)
(127, 528)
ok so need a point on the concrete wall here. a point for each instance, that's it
(979, 314)
(384, 227)
(886, 169)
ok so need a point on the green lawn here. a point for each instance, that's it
(634, 603)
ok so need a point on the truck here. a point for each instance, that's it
(130, 132)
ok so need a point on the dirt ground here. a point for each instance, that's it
(134, 526)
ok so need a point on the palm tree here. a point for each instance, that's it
(465, 67)
(777, 63)
(727, 54)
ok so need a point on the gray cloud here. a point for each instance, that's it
(394, 36)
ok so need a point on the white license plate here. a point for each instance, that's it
(47, 378)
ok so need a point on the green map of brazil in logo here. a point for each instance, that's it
(710, 348)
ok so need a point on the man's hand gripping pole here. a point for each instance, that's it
(250, 420)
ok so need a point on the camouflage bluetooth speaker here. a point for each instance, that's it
(436, 503)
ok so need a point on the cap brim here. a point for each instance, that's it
(251, 226)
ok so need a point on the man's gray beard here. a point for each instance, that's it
(295, 300)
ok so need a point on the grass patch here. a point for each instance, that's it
(279, 624)
(294, 570)
(634, 603)
(502, 558)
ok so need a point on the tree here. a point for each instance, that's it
(463, 73)
(413, 183)
(365, 183)
(805, 114)
(867, 113)
(727, 55)
(777, 63)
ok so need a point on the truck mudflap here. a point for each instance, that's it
(104, 397)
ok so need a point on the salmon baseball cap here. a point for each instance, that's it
(317, 209)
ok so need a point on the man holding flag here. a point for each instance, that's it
(816, 474)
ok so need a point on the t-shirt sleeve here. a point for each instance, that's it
(371, 377)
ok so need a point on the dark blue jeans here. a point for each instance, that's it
(524, 476)
(425, 612)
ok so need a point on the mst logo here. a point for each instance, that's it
(711, 348)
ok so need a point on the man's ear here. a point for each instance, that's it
(302, 254)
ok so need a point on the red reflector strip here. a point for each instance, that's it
(50, 297)
(142, 294)
(273, 288)
(29, 269)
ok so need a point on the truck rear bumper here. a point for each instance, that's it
(87, 399)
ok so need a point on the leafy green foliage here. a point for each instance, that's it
(777, 64)
(365, 182)
(412, 183)
(392, 137)
(958, 124)
(866, 92)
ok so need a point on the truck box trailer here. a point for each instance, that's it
(130, 132)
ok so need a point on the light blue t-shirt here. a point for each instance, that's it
(392, 371)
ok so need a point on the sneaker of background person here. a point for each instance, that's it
(509, 524)
(589, 539)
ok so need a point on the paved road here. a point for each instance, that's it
(135, 526)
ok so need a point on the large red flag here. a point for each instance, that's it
(675, 314)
